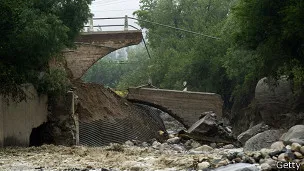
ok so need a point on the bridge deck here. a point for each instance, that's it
(93, 46)
(105, 36)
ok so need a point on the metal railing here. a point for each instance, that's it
(126, 25)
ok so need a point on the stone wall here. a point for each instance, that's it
(62, 122)
(18, 119)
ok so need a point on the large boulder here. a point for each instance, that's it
(262, 140)
(211, 129)
(243, 137)
(294, 134)
(274, 101)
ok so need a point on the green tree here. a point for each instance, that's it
(179, 56)
(274, 31)
(33, 32)
(120, 74)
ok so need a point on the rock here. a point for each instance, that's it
(271, 162)
(243, 137)
(129, 143)
(302, 165)
(294, 133)
(228, 146)
(249, 160)
(136, 168)
(275, 153)
(281, 157)
(298, 155)
(133, 165)
(192, 151)
(274, 101)
(220, 144)
(195, 144)
(213, 145)
(262, 140)
(231, 156)
(289, 155)
(262, 161)
(222, 163)
(240, 154)
(204, 148)
(156, 144)
(188, 143)
(295, 147)
(203, 165)
(238, 167)
(279, 145)
(257, 156)
(174, 140)
(144, 144)
(210, 129)
(214, 162)
(265, 166)
(171, 136)
(238, 160)
(164, 147)
(178, 148)
(302, 150)
(297, 140)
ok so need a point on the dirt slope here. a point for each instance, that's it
(106, 117)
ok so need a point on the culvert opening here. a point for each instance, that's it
(41, 135)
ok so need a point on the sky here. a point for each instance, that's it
(114, 8)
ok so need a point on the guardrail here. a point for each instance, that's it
(126, 25)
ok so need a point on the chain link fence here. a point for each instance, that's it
(142, 125)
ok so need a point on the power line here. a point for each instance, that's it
(176, 28)
(164, 25)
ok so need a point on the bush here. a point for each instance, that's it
(54, 83)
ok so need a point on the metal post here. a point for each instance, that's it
(76, 119)
(91, 25)
(126, 23)
(71, 102)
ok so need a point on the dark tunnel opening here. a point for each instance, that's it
(41, 135)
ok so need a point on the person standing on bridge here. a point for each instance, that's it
(185, 85)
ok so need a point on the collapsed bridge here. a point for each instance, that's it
(94, 115)
(104, 117)
(184, 106)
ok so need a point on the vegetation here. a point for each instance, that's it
(243, 41)
(32, 33)
(121, 70)
(257, 39)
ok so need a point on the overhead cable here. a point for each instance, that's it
(176, 28)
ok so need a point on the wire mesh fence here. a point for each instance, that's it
(142, 125)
